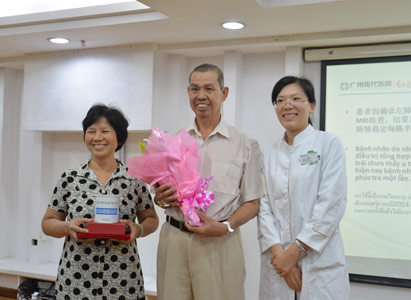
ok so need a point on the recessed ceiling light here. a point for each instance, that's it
(233, 25)
(58, 40)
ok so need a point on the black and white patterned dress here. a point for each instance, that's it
(99, 269)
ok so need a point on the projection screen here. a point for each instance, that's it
(367, 103)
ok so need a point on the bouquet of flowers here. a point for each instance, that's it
(174, 159)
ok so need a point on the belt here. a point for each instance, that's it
(177, 224)
(180, 225)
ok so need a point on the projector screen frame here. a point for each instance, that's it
(360, 278)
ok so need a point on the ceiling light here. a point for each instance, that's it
(233, 25)
(55, 40)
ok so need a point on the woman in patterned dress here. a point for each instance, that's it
(99, 268)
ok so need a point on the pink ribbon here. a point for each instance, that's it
(202, 199)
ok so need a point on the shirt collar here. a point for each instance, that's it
(221, 128)
(84, 171)
(300, 137)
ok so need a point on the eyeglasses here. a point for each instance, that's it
(281, 102)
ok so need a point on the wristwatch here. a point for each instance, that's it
(301, 249)
(226, 223)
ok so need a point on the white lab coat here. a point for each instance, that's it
(307, 194)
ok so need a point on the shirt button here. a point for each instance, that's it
(103, 192)
(103, 242)
(317, 226)
(100, 270)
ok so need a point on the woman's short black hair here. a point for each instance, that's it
(304, 83)
(114, 116)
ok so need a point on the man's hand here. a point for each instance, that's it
(165, 195)
(209, 228)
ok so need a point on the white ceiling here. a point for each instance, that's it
(192, 27)
(23, 7)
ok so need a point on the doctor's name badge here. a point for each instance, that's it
(310, 158)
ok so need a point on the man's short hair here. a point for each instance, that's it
(210, 67)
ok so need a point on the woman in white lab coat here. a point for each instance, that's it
(302, 253)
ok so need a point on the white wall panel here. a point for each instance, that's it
(10, 95)
(261, 72)
(60, 87)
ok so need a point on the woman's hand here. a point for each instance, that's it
(54, 224)
(294, 279)
(73, 227)
(148, 223)
(135, 231)
(282, 260)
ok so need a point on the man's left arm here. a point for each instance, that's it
(244, 213)
(213, 228)
(252, 186)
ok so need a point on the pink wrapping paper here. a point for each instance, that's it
(174, 159)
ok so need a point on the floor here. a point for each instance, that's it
(147, 297)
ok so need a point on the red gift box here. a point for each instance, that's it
(115, 231)
(106, 228)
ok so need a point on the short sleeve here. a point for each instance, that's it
(58, 198)
(142, 191)
(253, 181)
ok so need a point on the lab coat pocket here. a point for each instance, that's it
(328, 278)
(332, 256)
(311, 171)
